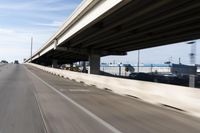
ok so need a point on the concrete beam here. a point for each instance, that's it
(87, 51)
(71, 66)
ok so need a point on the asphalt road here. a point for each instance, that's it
(33, 101)
(18, 108)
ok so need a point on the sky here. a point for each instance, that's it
(22, 19)
(159, 55)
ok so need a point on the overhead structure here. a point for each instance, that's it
(113, 27)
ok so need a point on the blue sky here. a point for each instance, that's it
(159, 55)
(21, 19)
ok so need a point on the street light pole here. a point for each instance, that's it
(193, 62)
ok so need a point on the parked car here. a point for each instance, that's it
(141, 76)
(167, 78)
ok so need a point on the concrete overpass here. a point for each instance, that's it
(113, 27)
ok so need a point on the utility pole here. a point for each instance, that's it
(193, 62)
(193, 53)
(120, 69)
(31, 47)
(179, 60)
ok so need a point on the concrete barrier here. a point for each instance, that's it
(2, 64)
(183, 98)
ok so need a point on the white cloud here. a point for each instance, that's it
(52, 24)
(16, 43)
(6, 31)
(20, 20)
(37, 6)
(16, 6)
(14, 53)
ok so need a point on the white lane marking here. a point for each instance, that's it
(39, 108)
(107, 125)
(79, 90)
(41, 113)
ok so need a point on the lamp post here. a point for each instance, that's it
(193, 62)
(193, 52)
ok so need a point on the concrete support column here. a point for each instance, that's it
(94, 64)
(84, 66)
(71, 66)
(55, 64)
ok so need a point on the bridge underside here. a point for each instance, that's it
(137, 25)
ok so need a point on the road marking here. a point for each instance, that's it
(104, 123)
(41, 113)
(79, 90)
(39, 108)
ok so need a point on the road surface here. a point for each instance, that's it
(33, 101)
(18, 108)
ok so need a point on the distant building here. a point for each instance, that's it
(120, 69)
(126, 69)
(181, 69)
(154, 68)
(198, 69)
